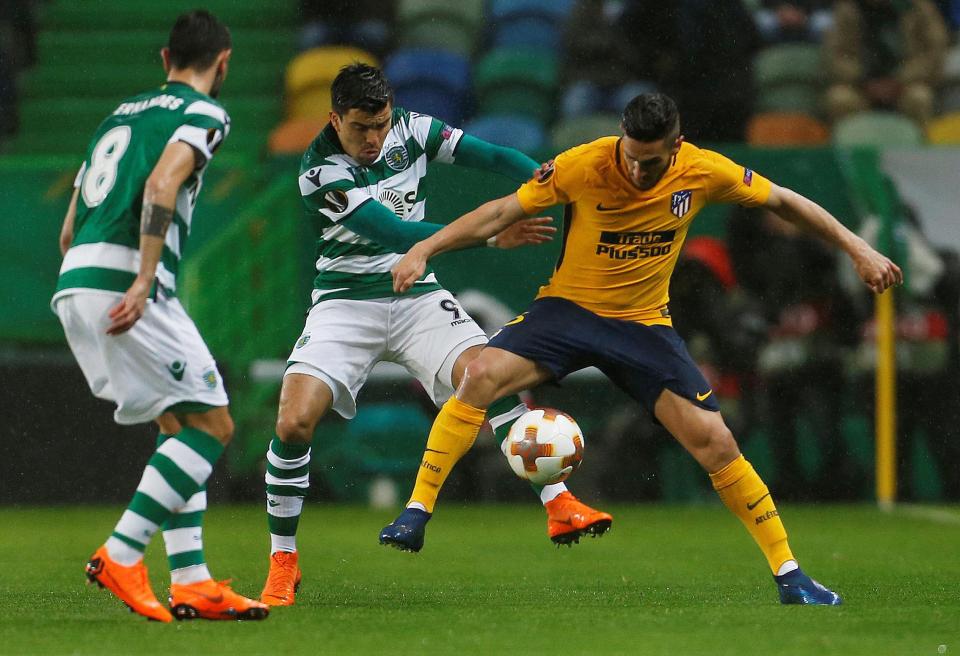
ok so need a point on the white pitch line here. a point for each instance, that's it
(931, 514)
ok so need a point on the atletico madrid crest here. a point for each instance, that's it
(680, 203)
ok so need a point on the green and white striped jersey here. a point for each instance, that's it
(334, 186)
(104, 254)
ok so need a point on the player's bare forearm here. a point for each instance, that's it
(474, 227)
(876, 270)
(809, 216)
(471, 228)
(66, 232)
(176, 164)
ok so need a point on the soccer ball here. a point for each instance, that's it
(544, 446)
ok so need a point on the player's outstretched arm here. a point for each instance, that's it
(374, 221)
(66, 232)
(473, 227)
(479, 154)
(176, 164)
(876, 270)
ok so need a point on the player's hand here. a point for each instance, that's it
(526, 231)
(542, 171)
(130, 308)
(408, 270)
(877, 270)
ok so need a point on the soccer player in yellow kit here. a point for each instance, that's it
(629, 203)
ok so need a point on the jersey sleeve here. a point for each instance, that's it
(438, 140)
(331, 191)
(205, 125)
(728, 182)
(77, 181)
(562, 183)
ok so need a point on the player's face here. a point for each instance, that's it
(361, 133)
(645, 162)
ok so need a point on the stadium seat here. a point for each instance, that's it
(786, 129)
(516, 131)
(435, 82)
(944, 129)
(294, 135)
(454, 26)
(528, 23)
(571, 132)
(790, 63)
(309, 75)
(122, 14)
(951, 66)
(949, 100)
(793, 98)
(876, 129)
(510, 81)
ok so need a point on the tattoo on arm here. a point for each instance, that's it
(155, 219)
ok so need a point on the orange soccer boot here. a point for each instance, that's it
(213, 600)
(283, 581)
(130, 584)
(568, 519)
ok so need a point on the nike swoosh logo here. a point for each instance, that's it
(211, 599)
(751, 506)
(272, 503)
(443, 453)
(702, 397)
(601, 208)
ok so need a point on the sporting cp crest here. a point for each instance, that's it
(397, 158)
(210, 378)
(680, 203)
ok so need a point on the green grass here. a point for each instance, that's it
(666, 580)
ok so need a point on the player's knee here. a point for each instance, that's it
(222, 429)
(480, 383)
(719, 448)
(294, 429)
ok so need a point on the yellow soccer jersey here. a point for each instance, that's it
(620, 243)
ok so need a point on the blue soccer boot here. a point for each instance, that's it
(797, 588)
(407, 531)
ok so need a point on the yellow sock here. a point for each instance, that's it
(743, 491)
(452, 435)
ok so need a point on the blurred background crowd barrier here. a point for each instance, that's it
(854, 103)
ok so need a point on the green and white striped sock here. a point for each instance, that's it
(501, 414)
(173, 475)
(288, 479)
(183, 537)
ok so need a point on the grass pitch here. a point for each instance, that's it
(665, 580)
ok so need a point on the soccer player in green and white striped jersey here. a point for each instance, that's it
(125, 229)
(360, 181)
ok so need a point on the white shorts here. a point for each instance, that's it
(344, 339)
(158, 363)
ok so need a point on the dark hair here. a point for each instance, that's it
(651, 117)
(196, 39)
(359, 86)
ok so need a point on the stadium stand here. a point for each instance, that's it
(786, 129)
(454, 26)
(514, 130)
(944, 129)
(876, 129)
(89, 58)
(435, 82)
(568, 133)
(308, 77)
(517, 81)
